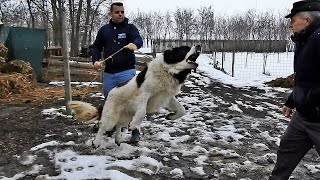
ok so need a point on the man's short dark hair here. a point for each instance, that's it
(115, 4)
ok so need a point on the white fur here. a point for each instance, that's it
(127, 106)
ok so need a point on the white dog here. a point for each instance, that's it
(153, 88)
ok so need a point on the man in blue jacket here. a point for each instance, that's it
(303, 131)
(117, 34)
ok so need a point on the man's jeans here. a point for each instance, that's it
(299, 137)
(112, 80)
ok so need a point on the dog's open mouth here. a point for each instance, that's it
(193, 57)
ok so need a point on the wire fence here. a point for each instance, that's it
(249, 64)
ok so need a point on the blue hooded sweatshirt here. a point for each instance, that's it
(112, 37)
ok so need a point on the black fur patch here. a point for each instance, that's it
(176, 55)
(141, 76)
(182, 76)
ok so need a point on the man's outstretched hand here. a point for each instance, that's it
(97, 65)
(131, 46)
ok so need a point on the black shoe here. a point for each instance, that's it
(135, 136)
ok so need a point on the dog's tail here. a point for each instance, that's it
(85, 112)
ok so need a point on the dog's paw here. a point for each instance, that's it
(117, 141)
(132, 126)
(95, 144)
(172, 116)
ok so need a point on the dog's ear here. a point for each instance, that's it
(168, 56)
(175, 55)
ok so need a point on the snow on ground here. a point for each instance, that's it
(231, 131)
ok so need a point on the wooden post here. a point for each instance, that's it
(222, 60)
(246, 64)
(215, 59)
(233, 59)
(265, 57)
(65, 54)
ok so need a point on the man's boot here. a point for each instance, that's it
(135, 136)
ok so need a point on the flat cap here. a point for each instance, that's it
(306, 5)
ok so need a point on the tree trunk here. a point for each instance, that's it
(85, 33)
(77, 33)
(56, 22)
(72, 23)
(31, 14)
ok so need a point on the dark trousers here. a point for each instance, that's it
(299, 137)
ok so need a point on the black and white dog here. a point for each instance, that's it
(153, 88)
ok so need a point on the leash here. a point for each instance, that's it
(145, 55)
(103, 66)
(110, 57)
(99, 72)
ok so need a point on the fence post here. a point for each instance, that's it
(222, 61)
(233, 59)
(265, 57)
(247, 59)
(215, 58)
(66, 66)
(222, 57)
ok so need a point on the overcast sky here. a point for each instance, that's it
(220, 6)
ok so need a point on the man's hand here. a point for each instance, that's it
(287, 112)
(131, 46)
(97, 65)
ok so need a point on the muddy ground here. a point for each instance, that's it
(23, 126)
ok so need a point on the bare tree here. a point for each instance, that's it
(157, 25)
(31, 14)
(139, 20)
(15, 14)
(147, 21)
(84, 41)
(250, 21)
(207, 22)
(75, 10)
(97, 16)
(185, 23)
(167, 25)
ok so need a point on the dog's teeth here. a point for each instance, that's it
(191, 62)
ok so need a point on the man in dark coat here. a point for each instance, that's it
(303, 131)
(112, 37)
